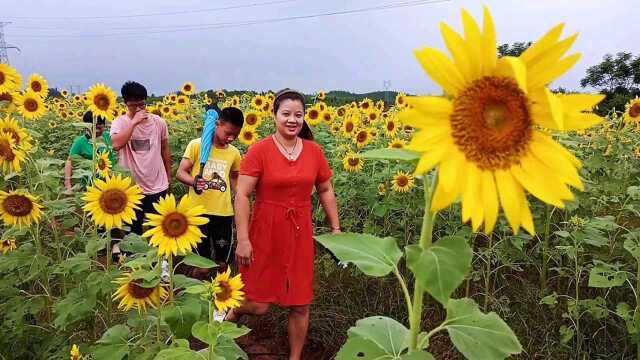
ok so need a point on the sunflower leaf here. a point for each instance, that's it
(391, 154)
(199, 261)
(182, 316)
(374, 256)
(479, 336)
(375, 337)
(442, 267)
(179, 354)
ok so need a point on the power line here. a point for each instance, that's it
(170, 13)
(200, 27)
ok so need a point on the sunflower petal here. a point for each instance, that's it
(440, 68)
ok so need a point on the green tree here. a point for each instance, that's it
(616, 76)
(515, 49)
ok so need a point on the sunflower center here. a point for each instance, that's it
(36, 86)
(362, 136)
(391, 126)
(313, 114)
(175, 224)
(349, 127)
(17, 205)
(635, 110)
(400, 100)
(490, 123)
(2, 78)
(397, 145)
(113, 201)
(402, 181)
(31, 105)
(101, 164)
(353, 161)
(225, 291)
(138, 292)
(6, 152)
(251, 119)
(258, 102)
(6, 96)
(365, 106)
(187, 88)
(248, 135)
(102, 102)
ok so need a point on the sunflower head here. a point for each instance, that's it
(401, 100)
(174, 229)
(11, 155)
(31, 105)
(188, 88)
(7, 246)
(632, 112)
(112, 202)
(313, 116)
(10, 79)
(321, 95)
(488, 125)
(101, 101)
(133, 295)
(75, 352)
(19, 208)
(248, 135)
(226, 291)
(103, 164)
(397, 144)
(402, 182)
(252, 119)
(352, 162)
(362, 137)
(382, 189)
(38, 84)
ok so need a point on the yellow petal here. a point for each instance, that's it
(540, 181)
(429, 160)
(489, 200)
(512, 67)
(556, 162)
(473, 38)
(431, 107)
(451, 170)
(508, 191)
(490, 54)
(440, 68)
(546, 75)
(546, 109)
(542, 45)
(458, 49)
(471, 199)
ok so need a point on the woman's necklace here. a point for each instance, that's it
(289, 153)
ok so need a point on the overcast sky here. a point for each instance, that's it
(355, 52)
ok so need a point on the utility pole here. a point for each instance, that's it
(387, 85)
(4, 56)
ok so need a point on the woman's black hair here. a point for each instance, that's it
(88, 118)
(290, 94)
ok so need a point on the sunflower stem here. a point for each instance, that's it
(426, 238)
(545, 248)
(170, 278)
(106, 269)
(210, 355)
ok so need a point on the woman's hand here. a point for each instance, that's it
(336, 231)
(244, 252)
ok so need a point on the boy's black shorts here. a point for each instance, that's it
(217, 241)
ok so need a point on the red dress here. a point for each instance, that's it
(281, 232)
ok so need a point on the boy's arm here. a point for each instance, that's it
(233, 177)
(68, 172)
(184, 172)
(166, 157)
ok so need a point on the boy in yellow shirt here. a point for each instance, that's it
(218, 180)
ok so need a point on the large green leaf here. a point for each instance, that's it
(363, 349)
(442, 267)
(388, 334)
(179, 354)
(417, 355)
(479, 336)
(391, 154)
(113, 345)
(604, 275)
(133, 243)
(182, 316)
(228, 349)
(199, 261)
(212, 334)
(374, 256)
(632, 244)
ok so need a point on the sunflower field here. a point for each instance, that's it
(498, 220)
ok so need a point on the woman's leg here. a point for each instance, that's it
(248, 308)
(297, 328)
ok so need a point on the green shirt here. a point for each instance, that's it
(82, 147)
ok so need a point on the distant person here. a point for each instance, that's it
(82, 146)
(142, 141)
(218, 180)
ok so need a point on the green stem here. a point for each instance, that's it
(158, 334)
(170, 278)
(405, 290)
(545, 248)
(487, 278)
(637, 302)
(210, 323)
(107, 269)
(426, 237)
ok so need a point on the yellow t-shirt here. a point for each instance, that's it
(217, 199)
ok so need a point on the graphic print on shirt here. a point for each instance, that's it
(212, 170)
(140, 145)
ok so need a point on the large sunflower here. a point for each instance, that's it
(11, 155)
(312, 116)
(632, 111)
(349, 126)
(10, 79)
(30, 105)
(19, 208)
(112, 202)
(227, 291)
(103, 164)
(362, 137)
(258, 102)
(134, 296)
(484, 134)
(352, 162)
(366, 104)
(401, 100)
(248, 135)
(18, 133)
(101, 101)
(174, 230)
(391, 127)
(188, 88)
(403, 182)
(38, 84)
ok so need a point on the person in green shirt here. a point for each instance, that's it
(82, 146)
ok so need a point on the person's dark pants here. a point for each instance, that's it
(145, 208)
(216, 243)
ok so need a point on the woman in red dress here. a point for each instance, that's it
(275, 249)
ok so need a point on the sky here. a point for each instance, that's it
(214, 44)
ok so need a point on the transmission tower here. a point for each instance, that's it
(4, 57)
